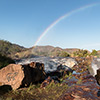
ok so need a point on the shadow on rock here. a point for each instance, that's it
(4, 89)
(98, 93)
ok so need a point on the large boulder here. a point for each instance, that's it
(12, 75)
(21, 75)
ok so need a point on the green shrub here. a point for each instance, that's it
(94, 53)
(64, 54)
(81, 53)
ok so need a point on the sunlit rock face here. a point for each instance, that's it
(18, 76)
(51, 64)
(95, 66)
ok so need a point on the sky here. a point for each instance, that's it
(40, 22)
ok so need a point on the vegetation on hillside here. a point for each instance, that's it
(48, 51)
(81, 53)
(17, 52)
(9, 49)
(94, 53)
(56, 52)
(4, 61)
(85, 53)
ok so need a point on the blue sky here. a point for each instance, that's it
(23, 21)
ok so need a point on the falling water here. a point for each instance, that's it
(51, 64)
(95, 65)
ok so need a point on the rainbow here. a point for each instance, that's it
(62, 18)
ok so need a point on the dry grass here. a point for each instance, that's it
(51, 92)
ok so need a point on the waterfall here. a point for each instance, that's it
(95, 65)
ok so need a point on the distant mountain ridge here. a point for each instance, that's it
(52, 48)
(45, 51)
(15, 51)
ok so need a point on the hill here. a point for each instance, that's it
(71, 50)
(45, 51)
(15, 51)
(8, 49)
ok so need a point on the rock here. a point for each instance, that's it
(37, 71)
(83, 86)
(46, 82)
(64, 70)
(37, 65)
(21, 75)
(70, 62)
(98, 76)
(87, 90)
(12, 75)
(49, 80)
(60, 72)
(54, 73)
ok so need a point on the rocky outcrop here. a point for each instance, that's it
(60, 72)
(87, 91)
(12, 75)
(21, 75)
(70, 62)
(83, 86)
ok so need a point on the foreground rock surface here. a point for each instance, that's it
(86, 91)
(12, 75)
(21, 75)
(77, 85)
(83, 86)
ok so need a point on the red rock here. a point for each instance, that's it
(81, 93)
(21, 75)
(46, 82)
(88, 89)
(12, 75)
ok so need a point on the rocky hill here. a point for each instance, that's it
(46, 51)
(15, 51)
(71, 50)
(18, 52)
(53, 49)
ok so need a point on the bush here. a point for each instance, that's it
(64, 54)
(94, 53)
(81, 53)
